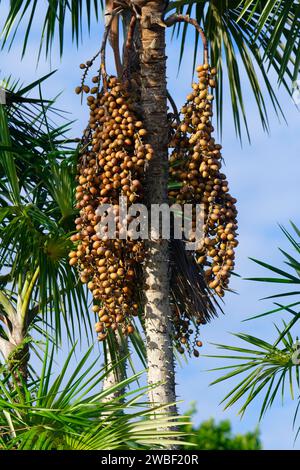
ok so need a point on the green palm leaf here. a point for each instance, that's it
(36, 213)
(246, 39)
(279, 21)
(69, 412)
(243, 40)
(286, 276)
(56, 15)
(264, 366)
(267, 369)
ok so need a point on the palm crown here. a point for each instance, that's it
(257, 35)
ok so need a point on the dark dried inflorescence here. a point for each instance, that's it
(195, 165)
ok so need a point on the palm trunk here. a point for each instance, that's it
(15, 349)
(156, 271)
(118, 373)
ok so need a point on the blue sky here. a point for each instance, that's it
(263, 176)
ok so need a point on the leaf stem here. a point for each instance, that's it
(179, 18)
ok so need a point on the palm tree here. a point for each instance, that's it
(43, 409)
(267, 369)
(262, 33)
(69, 413)
(36, 220)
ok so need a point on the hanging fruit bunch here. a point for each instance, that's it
(195, 164)
(196, 178)
(112, 163)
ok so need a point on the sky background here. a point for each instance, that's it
(263, 176)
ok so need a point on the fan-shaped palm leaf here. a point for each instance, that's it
(238, 37)
(36, 214)
(268, 369)
(66, 411)
(256, 34)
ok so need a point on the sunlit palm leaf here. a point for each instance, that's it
(255, 34)
(268, 369)
(285, 276)
(279, 21)
(242, 39)
(36, 217)
(68, 412)
(54, 22)
(264, 367)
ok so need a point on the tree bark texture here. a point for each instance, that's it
(15, 350)
(118, 373)
(157, 314)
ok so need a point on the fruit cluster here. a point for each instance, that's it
(186, 333)
(195, 164)
(112, 164)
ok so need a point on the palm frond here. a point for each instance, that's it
(37, 173)
(189, 290)
(55, 19)
(268, 369)
(264, 367)
(248, 38)
(286, 277)
(68, 412)
(278, 21)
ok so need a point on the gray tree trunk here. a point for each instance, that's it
(118, 374)
(157, 307)
(15, 350)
